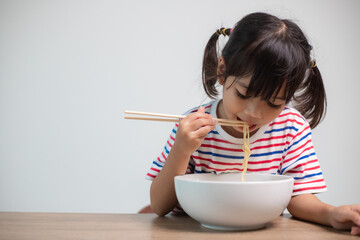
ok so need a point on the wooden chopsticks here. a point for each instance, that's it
(176, 118)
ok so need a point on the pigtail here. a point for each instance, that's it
(210, 63)
(311, 98)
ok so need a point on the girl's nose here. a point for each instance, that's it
(253, 109)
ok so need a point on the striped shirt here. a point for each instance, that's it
(283, 146)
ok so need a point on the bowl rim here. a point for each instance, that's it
(282, 178)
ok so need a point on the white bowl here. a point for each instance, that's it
(224, 202)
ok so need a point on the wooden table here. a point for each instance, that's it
(52, 226)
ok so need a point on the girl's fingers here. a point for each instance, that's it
(353, 215)
(356, 208)
(355, 230)
(203, 131)
(201, 110)
(199, 114)
(193, 129)
(201, 122)
(198, 119)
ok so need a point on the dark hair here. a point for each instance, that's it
(273, 52)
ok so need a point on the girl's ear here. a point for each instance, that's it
(221, 70)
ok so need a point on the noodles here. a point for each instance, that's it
(246, 149)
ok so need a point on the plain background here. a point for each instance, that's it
(68, 70)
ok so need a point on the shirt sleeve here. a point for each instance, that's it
(301, 163)
(159, 162)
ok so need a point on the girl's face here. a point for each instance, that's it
(238, 104)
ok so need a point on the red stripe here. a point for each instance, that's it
(217, 140)
(265, 161)
(155, 169)
(172, 138)
(208, 106)
(177, 211)
(288, 120)
(150, 175)
(309, 188)
(216, 169)
(300, 133)
(302, 171)
(287, 160)
(236, 169)
(304, 164)
(216, 162)
(169, 143)
(160, 160)
(226, 163)
(297, 149)
(240, 149)
(262, 169)
(163, 155)
(290, 113)
(269, 146)
(222, 148)
(275, 137)
(314, 181)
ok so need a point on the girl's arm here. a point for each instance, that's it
(190, 134)
(308, 207)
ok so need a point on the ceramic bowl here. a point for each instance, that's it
(223, 201)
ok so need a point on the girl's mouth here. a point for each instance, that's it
(251, 126)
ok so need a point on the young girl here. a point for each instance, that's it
(264, 66)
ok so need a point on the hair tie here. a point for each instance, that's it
(221, 31)
(313, 63)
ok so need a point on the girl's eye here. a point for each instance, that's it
(274, 105)
(241, 95)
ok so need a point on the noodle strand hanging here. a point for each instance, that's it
(246, 149)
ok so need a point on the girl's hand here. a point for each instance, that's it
(346, 217)
(192, 131)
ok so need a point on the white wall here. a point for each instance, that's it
(68, 70)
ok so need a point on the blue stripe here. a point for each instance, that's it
(166, 150)
(157, 164)
(297, 141)
(219, 155)
(214, 132)
(282, 129)
(266, 154)
(307, 176)
(174, 131)
(303, 157)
